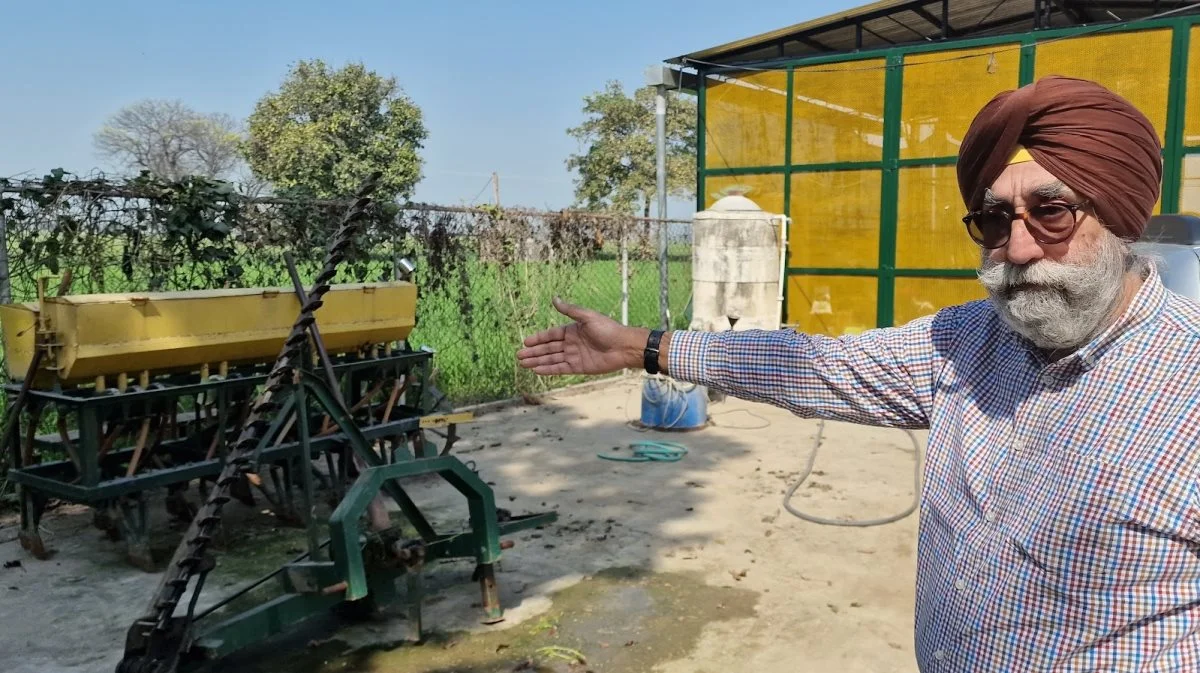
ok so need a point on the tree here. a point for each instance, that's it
(170, 140)
(325, 130)
(617, 169)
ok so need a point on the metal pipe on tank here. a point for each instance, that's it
(784, 220)
(660, 114)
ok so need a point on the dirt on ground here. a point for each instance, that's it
(689, 566)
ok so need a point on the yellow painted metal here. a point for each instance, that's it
(1191, 126)
(1143, 79)
(933, 123)
(18, 324)
(442, 420)
(835, 219)
(113, 334)
(832, 305)
(837, 112)
(929, 229)
(918, 297)
(766, 190)
(745, 119)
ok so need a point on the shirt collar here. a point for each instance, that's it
(1146, 305)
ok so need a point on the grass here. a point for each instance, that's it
(475, 316)
(476, 348)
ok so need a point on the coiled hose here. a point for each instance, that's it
(812, 459)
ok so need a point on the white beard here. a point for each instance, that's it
(1060, 305)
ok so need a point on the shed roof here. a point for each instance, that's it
(897, 22)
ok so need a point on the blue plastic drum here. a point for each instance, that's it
(673, 405)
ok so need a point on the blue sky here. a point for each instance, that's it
(498, 82)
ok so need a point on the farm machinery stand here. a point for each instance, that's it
(231, 389)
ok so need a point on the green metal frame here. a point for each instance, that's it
(97, 478)
(310, 588)
(886, 272)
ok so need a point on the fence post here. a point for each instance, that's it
(624, 272)
(660, 114)
(5, 284)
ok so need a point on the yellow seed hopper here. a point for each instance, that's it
(95, 335)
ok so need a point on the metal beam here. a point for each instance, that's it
(1074, 12)
(909, 28)
(1028, 17)
(1132, 4)
(809, 42)
(845, 22)
(937, 23)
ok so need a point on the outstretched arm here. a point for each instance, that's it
(882, 377)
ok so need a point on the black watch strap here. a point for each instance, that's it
(650, 355)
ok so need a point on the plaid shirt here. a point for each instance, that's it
(1059, 522)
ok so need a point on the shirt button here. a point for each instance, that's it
(939, 655)
(960, 584)
(990, 516)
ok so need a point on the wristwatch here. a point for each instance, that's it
(650, 355)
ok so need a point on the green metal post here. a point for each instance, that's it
(893, 97)
(789, 120)
(701, 131)
(1028, 60)
(362, 447)
(1176, 117)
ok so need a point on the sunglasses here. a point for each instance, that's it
(1049, 223)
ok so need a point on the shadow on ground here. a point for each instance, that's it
(586, 585)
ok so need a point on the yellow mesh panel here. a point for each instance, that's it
(917, 297)
(933, 123)
(1189, 195)
(929, 229)
(765, 190)
(1136, 65)
(832, 305)
(1191, 126)
(835, 220)
(745, 120)
(837, 112)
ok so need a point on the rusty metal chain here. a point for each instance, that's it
(154, 642)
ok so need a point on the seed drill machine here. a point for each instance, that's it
(229, 390)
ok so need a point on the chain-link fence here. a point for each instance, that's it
(485, 276)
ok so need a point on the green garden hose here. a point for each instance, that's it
(647, 451)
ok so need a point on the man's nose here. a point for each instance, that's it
(1022, 247)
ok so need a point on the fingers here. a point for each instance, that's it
(560, 369)
(570, 310)
(546, 336)
(547, 364)
(539, 350)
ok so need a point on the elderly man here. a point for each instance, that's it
(1060, 518)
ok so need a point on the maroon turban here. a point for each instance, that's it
(1093, 140)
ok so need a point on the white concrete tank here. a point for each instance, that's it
(736, 267)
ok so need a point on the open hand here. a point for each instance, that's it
(592, 344)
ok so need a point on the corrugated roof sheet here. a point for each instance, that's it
(893, 22)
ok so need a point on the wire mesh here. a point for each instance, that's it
(485, 277)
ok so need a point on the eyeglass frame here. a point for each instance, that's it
(1030, 225)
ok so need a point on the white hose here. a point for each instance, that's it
(812, 458)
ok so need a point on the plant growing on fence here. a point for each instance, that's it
(485, 275)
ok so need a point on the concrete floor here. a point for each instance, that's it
(696, 563)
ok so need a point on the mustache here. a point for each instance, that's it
(1002, 277)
